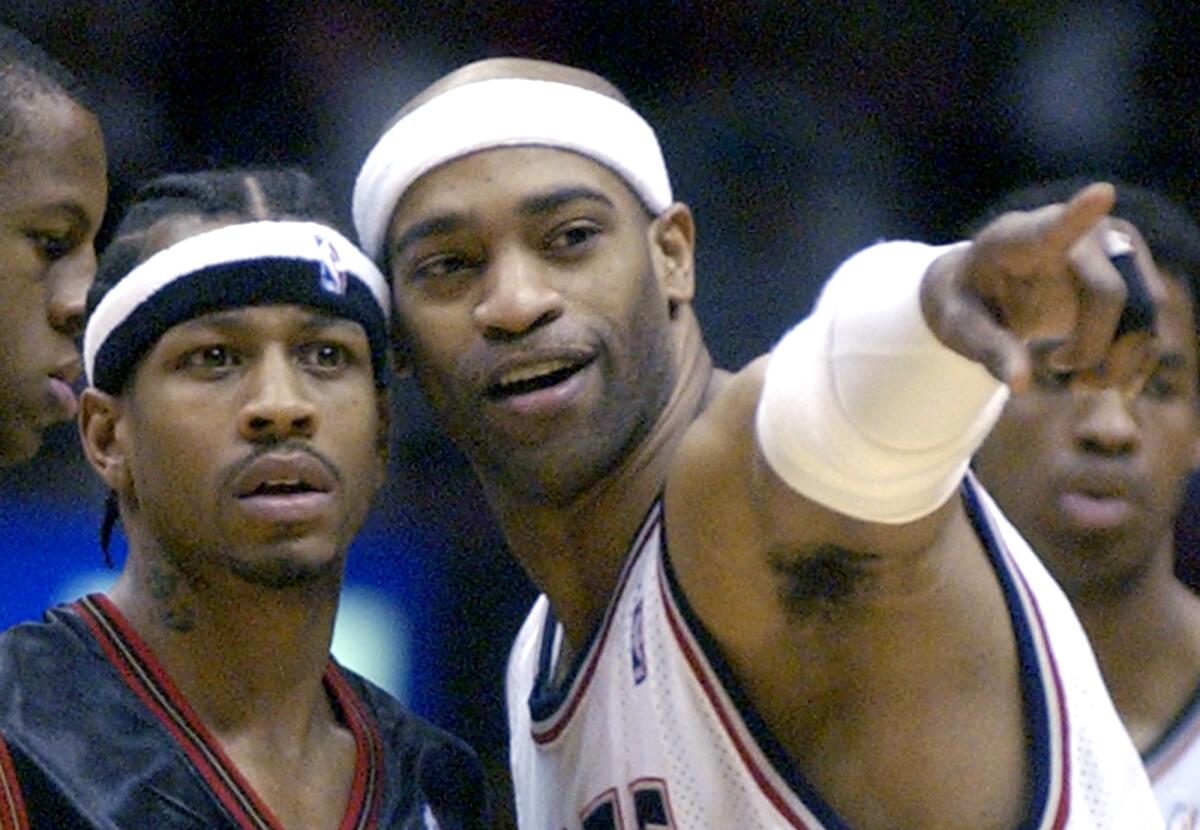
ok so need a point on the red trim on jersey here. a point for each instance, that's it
(12, 806)
(555, 724)
(147, 679)
(609, 796)
(700, 671)
(362, 809)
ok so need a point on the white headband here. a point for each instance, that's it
(339, 260)
(505, 112)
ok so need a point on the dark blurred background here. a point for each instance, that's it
(798, 133)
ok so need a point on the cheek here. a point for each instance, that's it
(1024, 439)
(175, 465)
(23, 311)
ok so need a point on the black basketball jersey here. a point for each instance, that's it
(94, 734)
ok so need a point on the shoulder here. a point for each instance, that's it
(55, 652)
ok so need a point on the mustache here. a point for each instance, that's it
(283, 446)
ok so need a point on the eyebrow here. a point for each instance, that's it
(536, 205)
(75, 213)
(1041, 348)
(1172, 360)
(433, 226)
(228, 320)
(554, 199)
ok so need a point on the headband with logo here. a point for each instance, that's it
(253, 263)
(505, 112)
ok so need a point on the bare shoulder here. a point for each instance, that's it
(729, 520)
(752, 554)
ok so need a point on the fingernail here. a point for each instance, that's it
(1117, 243)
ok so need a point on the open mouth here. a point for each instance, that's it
(281, 488)
(534, 378)
(282, 475)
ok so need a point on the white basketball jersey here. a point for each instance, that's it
(1174, 767)
(651, 730)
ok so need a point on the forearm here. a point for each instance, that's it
(863, 409)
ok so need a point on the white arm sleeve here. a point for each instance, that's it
(863, 409)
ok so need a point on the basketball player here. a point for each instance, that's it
(770, 598)
(236, 351)
(53, 189)
(1094, 477)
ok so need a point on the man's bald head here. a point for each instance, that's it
(508, 67)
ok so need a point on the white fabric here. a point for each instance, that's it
(677, 732)
(1174, 767)
(863, 410)
(505, 112)
(241, 242)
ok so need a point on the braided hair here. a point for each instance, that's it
(27, 72)
(236, 194)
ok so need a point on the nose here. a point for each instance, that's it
(277, 404)
(67, 292)
(518, 296)
(1105, 423)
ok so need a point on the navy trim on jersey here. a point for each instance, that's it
(1036, 691)
(550, 705)
(1045, 811)
(1183, 731)
(140, 670)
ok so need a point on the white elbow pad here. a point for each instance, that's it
(863, 410)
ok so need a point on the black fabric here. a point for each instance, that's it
(1138, 313)
(267, 281)
(88, 753)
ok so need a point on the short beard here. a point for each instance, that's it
(282, 573)
(1097, 582)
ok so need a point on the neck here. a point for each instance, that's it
(574, 553)
(1147, 642)
(249, 659)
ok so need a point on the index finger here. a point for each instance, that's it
(1079, 215)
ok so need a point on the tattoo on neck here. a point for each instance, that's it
(171, 592)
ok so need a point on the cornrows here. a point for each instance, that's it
(239, 195)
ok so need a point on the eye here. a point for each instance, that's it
(324, 355)
(1051, 380)
(573, 237)
(1162, 386)
(209, 359)
(51, 246)
(440, 266)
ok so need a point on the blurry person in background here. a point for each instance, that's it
(53, 190)
(1094, 478)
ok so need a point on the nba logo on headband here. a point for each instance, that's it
(333, 275)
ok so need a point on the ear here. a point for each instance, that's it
(99, 417)
(672, 239)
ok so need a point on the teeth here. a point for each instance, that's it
(533, 371)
